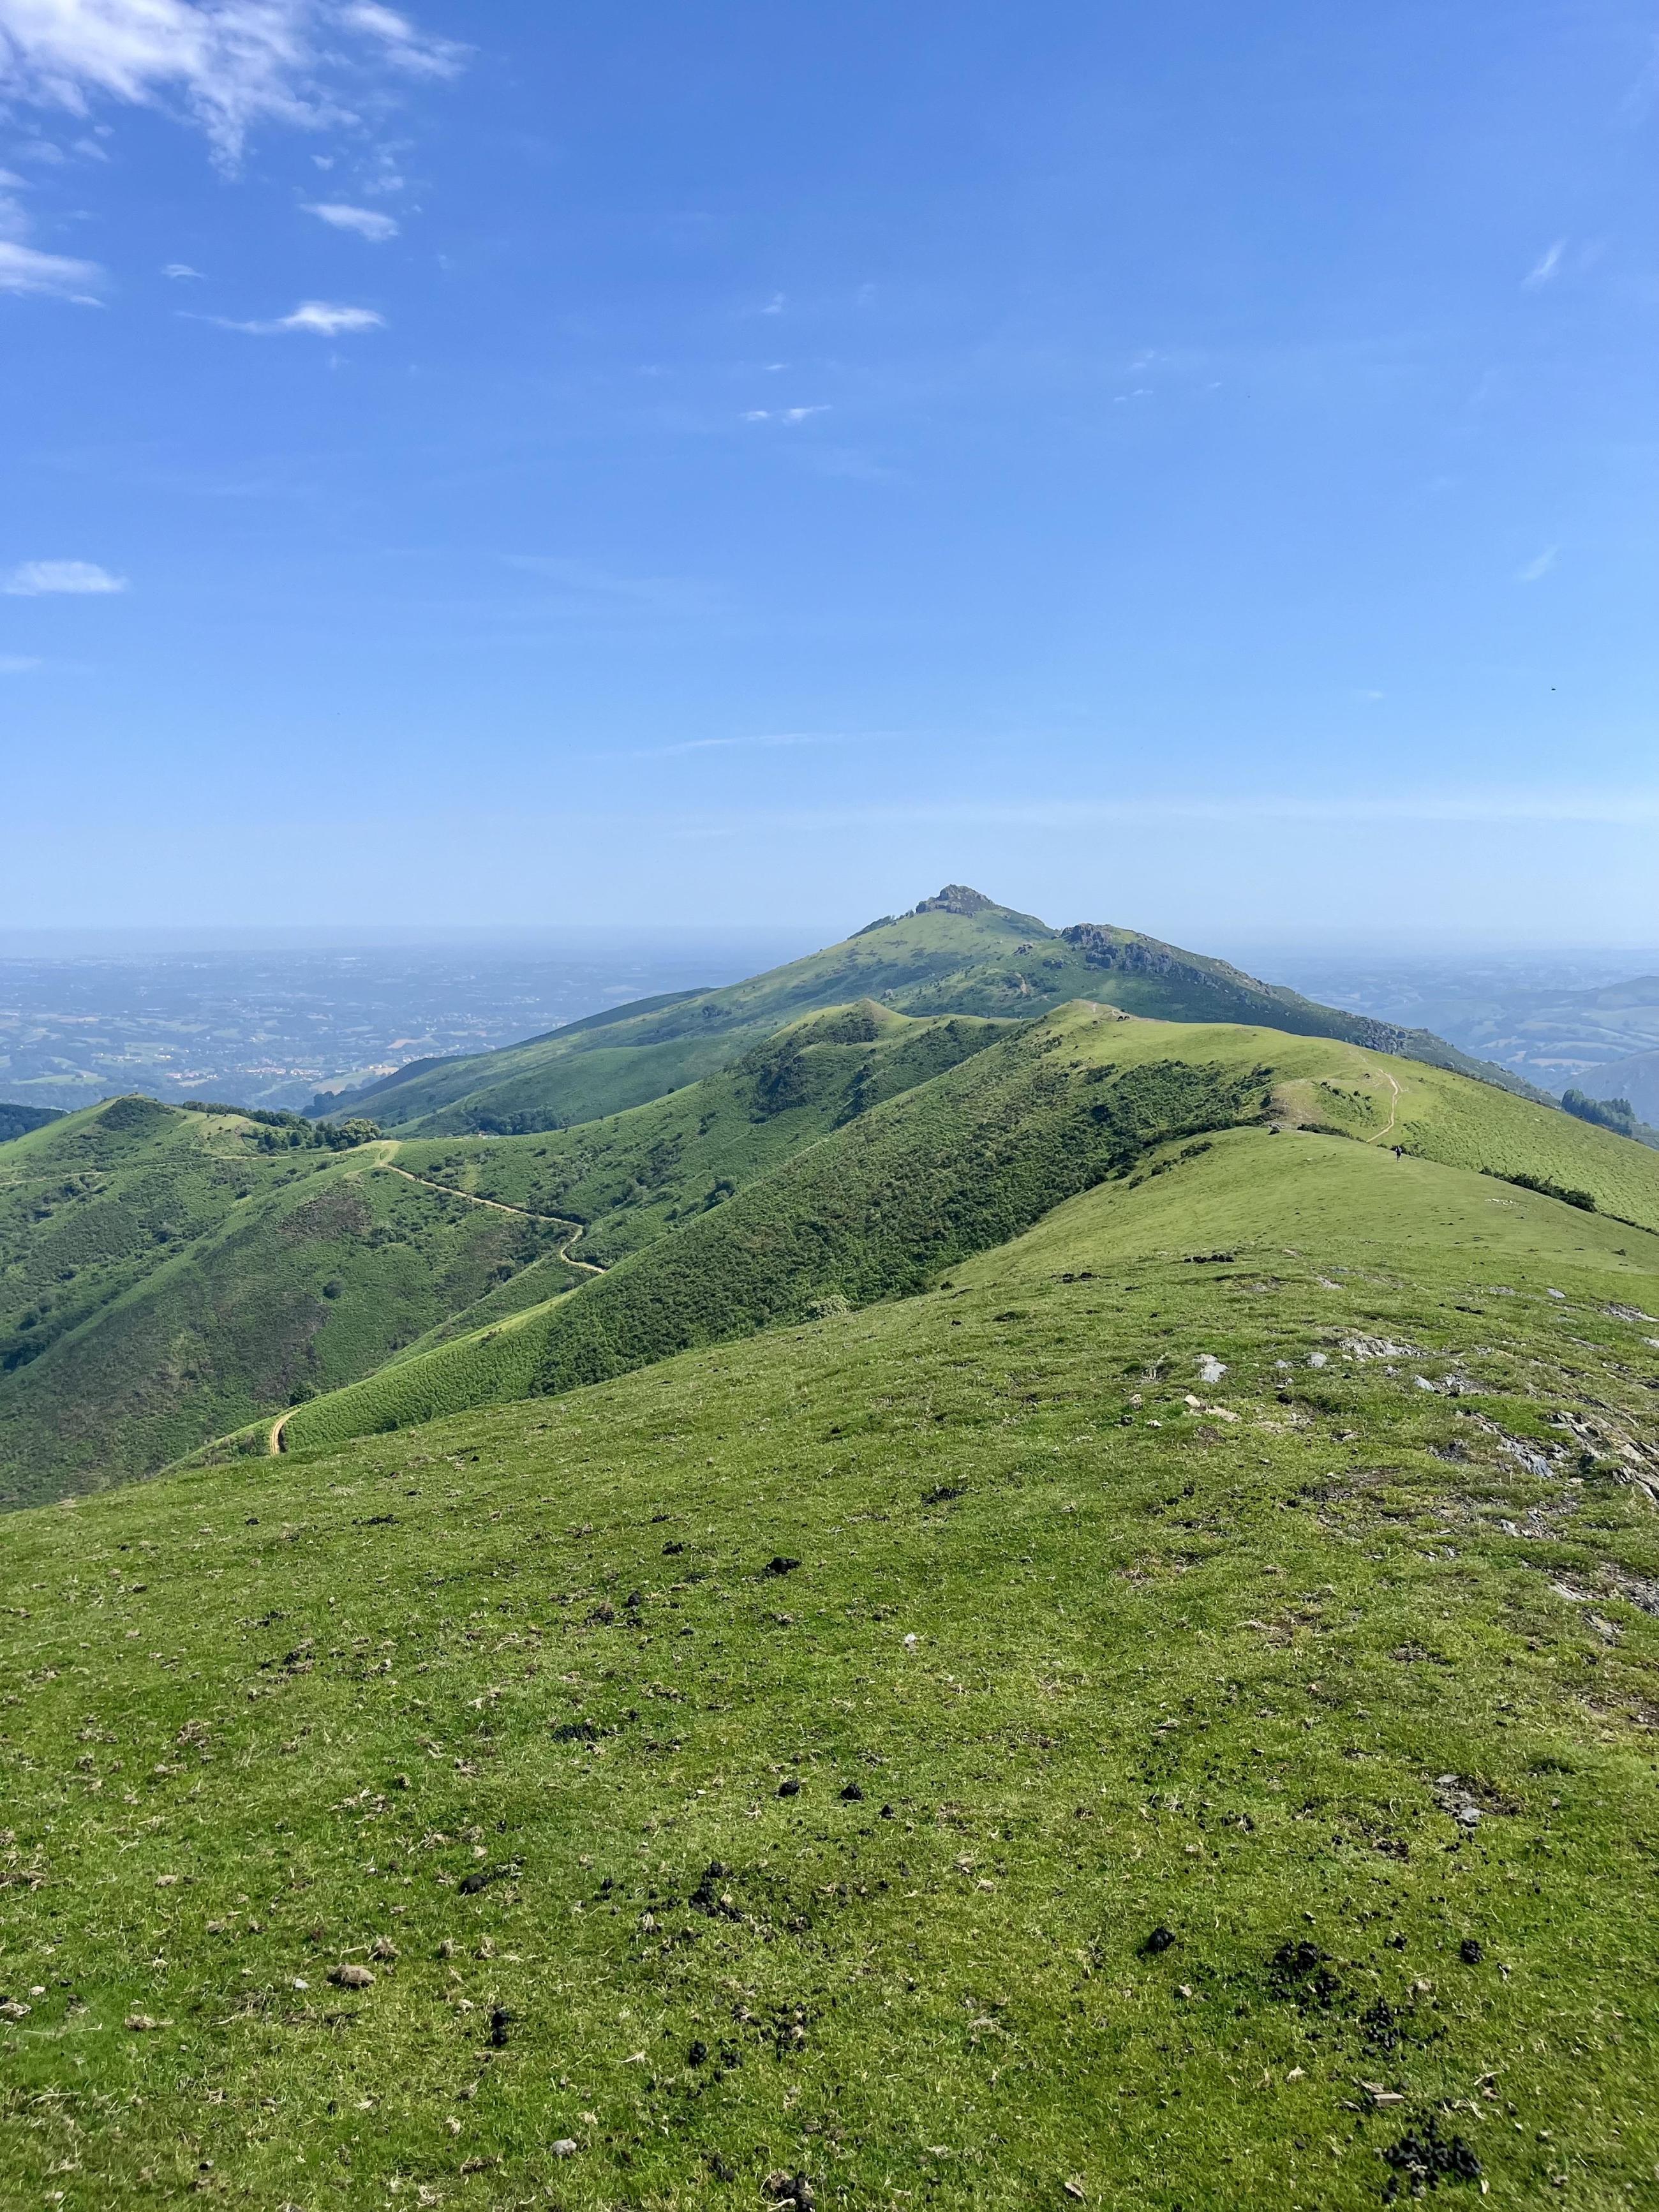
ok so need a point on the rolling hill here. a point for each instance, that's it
(1121, 1671)
(957, 953)
(164, 1276)
(960, 1163)
(168, 1274)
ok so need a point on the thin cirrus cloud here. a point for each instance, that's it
(35, 579)
(229, 63)
(180, 271)
(320, 318)
(366, 222)
(47, 276)
(1545, 269)
(1537, 569)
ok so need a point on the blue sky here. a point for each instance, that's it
(1190, 466)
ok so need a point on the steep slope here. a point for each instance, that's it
(168, 1274)
(957, 953)
(963, 1163)
(1167, 1721)
(632, 1176)
(163, 1278)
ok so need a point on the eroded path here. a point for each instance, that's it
(578, 1230)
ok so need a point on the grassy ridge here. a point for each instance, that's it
(957, 954)
(966, 1161)
(1195, 1789)
(634, 1176)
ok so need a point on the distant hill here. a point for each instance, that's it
(18, 1121)
(1635, 1077)
(956, 953)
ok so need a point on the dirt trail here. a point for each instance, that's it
(1394, 1110)
(274, 1444)
(578, 1230)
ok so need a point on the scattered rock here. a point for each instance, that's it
(565, 2147)
(789, 1789)
(698, 2054)
(350, 1977)
(383, 1948)
(777, 1565)
(500, 2021)
(1471, 1951)
(1210, 1369)
(852, 1794)
(139, 2022)
(1160, 1940)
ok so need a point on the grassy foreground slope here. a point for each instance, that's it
(963, 1163)
(1137, 1727)
(958, 953)
(162, 1279)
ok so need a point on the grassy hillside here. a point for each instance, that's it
(162, 1279)
(633, 1175)
(966, 1162)
(167, 1275)
(1166, 1720)
(956, 954)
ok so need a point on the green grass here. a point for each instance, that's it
(1106, 1646)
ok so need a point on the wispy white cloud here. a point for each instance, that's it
(33, 579)
(367, 222)
(319, 317)
(53, 276)
(179, 270)
(727, 744)
(1616, 808)
(406, 48)
(1539, 567)
(775, 304)
(1546, 267)
(17, 664)
(783, 414)
(231, 63)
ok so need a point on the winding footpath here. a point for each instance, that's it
(1394, 1110)
(578, 1229)
(274, 1444)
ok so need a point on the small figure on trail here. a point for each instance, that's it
(1398, 1152)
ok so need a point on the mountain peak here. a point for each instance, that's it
(956, 898)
